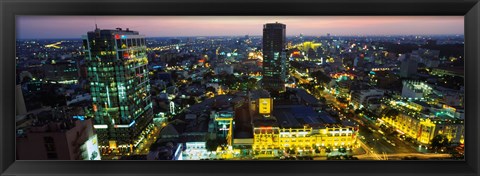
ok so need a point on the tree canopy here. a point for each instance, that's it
(321, 77)
(392, 113)
(440, 141)
(212, 144)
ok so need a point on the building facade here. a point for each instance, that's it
(119, 84)
(299, 128)
(424, 130)
(224, 124)
(364, 98)
(62, 71)
(274, 57)
(422, 122)
(59, 139)
(272, 140)
(416, 89)
(408, 66)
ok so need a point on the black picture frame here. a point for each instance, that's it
(11, 8)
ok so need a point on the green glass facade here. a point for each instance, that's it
(118, 74)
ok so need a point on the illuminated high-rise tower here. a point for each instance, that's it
(274, 58)
(119, 84)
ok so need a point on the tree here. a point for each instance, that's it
(291, 151)
(426, 111)
(229, 80)
(358, 111)
(350, 106)
(212, 144)
(323, 99)
(307, 86)
(208, 75)
(295, 64)
(251, 83)
(210, 89)
(392, 113)
(26, 79)
(191, 100)
(440, 141)
(321, 77)
(174, 75)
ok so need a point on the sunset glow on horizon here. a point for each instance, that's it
(41, 27)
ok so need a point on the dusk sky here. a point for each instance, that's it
(41, 27)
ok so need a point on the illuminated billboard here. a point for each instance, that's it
(90, 149)
(265, 105)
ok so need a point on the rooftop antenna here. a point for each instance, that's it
(96, 27)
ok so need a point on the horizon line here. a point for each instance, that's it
(359, 35)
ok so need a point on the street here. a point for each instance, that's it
(377, 145)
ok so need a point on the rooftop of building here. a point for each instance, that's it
(305, 96)
(259, 93)
(273, 25)
(293, 116)
(442, 118)
(59, 127)
(261, 120)
(114, 31)
(456, 70)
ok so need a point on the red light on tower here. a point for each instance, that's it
(125, 54)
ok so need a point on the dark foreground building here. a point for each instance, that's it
(57, 137)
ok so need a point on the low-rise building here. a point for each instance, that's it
(223, 68)
(423, 124)
(300, 128)
(58, 138)
(416, 89)
(364, 98)
(307, 99)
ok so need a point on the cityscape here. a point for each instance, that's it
(262, 94)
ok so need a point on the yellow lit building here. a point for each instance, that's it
(298, 127)
(268, 139)
(265, 105)
(423, 129)
(305, 46)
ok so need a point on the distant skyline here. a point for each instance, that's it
(45, 27)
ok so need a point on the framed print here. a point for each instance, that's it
(251, 87)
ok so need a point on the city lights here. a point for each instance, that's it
(277, 94)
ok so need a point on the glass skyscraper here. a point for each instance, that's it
(119, 84)
(274, 57)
